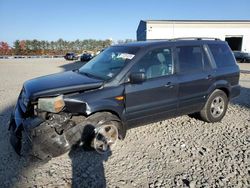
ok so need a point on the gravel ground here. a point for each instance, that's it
(180, 152)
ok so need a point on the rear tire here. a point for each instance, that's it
(215, 107)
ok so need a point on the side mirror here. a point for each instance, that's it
(137, 77)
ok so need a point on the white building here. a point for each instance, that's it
(235, 32)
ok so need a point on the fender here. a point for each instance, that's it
(218, 85)
(75, 106)
(106, 105)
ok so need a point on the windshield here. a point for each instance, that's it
(109, 63)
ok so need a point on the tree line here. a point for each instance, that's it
(58, 47)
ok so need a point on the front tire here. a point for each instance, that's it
(215, 107)
(105, 131)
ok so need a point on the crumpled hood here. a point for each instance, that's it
(60, 83)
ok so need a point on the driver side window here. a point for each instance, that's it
(155, 63)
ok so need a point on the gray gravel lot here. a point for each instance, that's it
(180, 152)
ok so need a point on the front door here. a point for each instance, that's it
(155, 98)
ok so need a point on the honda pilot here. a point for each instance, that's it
(124, 86)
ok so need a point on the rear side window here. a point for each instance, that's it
(190, 59)
(222, 55)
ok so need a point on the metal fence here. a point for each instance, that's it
(29, 57)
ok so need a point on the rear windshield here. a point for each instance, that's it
(222, 54)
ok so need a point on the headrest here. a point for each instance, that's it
(161, 57)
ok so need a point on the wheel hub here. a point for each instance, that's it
(105, 138)
(217, 106)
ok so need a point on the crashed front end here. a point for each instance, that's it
(50, 130)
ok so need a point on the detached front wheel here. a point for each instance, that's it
(215, 107)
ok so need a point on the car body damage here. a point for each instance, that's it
(49, 138)
(51, 118)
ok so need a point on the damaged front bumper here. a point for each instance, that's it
(49, 138)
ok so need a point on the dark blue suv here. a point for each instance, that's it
(124, 86)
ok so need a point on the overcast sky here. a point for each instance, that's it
(103, 19)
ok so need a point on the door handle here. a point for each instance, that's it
(169, 85)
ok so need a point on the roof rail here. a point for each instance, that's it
(196, 38)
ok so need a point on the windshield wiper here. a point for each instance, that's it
(90, 75)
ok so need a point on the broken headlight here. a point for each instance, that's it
(52, 104)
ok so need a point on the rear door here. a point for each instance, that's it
(156, 97)
(195, 76)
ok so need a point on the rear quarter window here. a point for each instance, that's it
(222, 55)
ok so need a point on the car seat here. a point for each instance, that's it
(158, 66)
